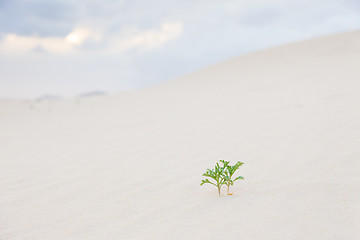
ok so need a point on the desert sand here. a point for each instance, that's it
(129, 166)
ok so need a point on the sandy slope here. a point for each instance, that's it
(129, 166)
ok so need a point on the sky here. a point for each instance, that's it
(66, 47)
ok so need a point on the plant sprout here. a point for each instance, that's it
(222, 175)
(229, 172)
(217, 175)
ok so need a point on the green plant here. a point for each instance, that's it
(222, 175)
(229, 172)
(216, 174)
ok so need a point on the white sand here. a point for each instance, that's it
(129, 166)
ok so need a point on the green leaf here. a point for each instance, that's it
(206, 181)
(238, 178)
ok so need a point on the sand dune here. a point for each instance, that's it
(129, 166)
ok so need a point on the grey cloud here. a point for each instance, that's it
(44, 18)
(4, 2)
(260, 16)
(38, 49)
(355, 3)
(56, 18)
(52, 11)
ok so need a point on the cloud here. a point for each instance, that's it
(147, 39)
(17, 44)
(130, 39)
(38, 49)
(14, 44)
(43, 18)
(79, 35)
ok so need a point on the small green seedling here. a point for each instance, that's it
(216, 174)
(222, 175)
(229, 172)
